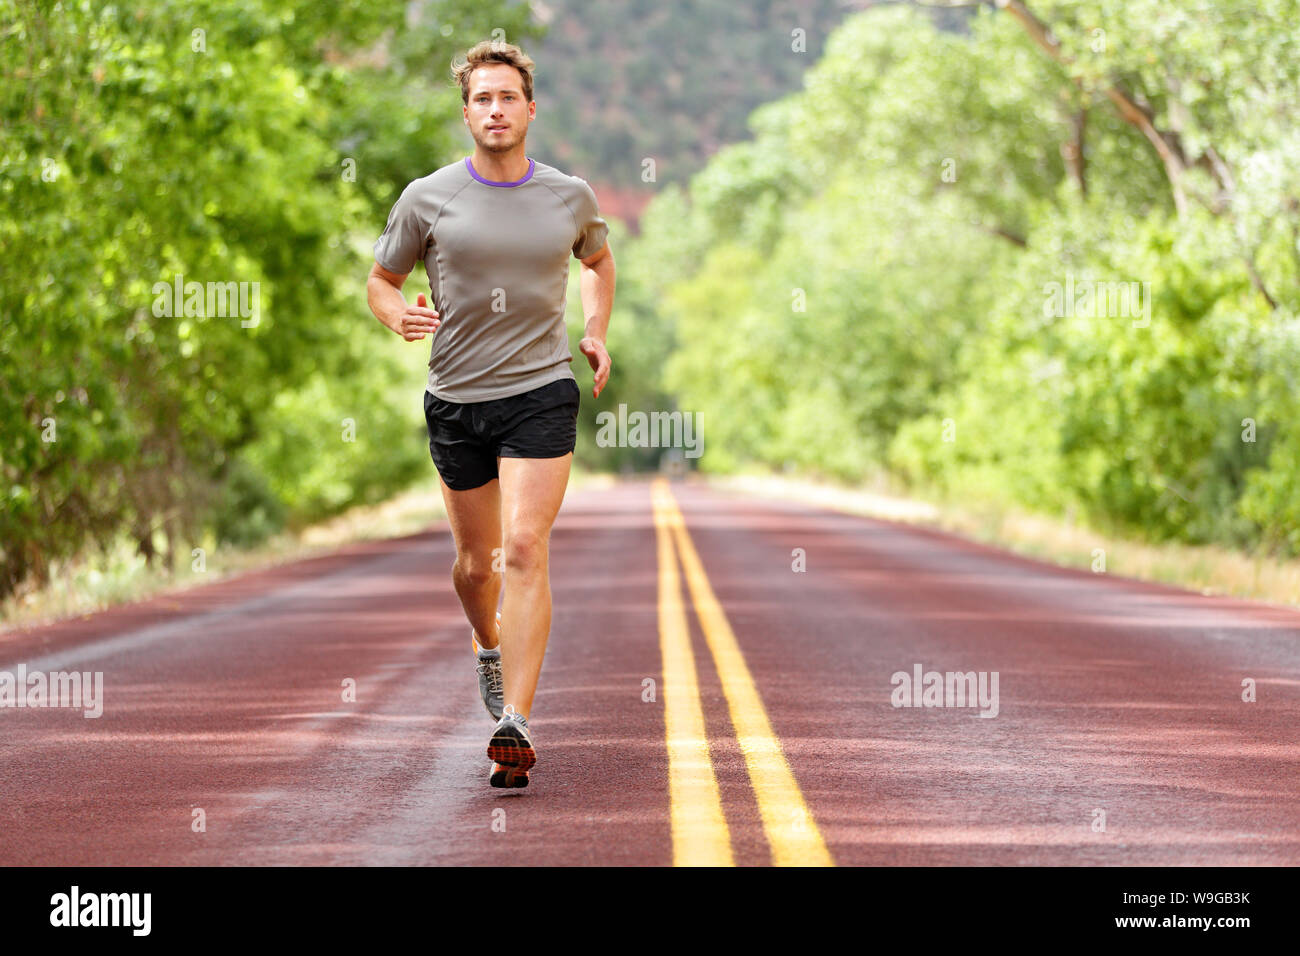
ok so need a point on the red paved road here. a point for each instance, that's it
(1113, 695)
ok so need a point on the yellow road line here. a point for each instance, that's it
(700, 834)
(790, 827)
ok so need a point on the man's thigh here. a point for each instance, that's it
(475, 519)
(532, 490)
(536, 443)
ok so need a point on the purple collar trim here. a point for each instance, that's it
(488, 182)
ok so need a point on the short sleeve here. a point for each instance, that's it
(403, 239)
(592, 229)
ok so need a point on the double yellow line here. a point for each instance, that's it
(700, 833)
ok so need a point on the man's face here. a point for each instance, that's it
(497, 113)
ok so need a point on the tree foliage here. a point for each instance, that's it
(923, 199)
(252, 142)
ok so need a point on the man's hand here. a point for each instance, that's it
(596, 354)
(418, 320)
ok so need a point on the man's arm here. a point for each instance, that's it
(384, 293)
(596, 284)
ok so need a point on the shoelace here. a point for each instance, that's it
(510, 713)
(491, 669)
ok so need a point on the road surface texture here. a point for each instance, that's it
(720, 688)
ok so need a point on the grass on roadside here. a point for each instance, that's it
(1205, 568)
(95, 582)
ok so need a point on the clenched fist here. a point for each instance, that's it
(419, 320)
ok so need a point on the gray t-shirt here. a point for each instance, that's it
(497, 256)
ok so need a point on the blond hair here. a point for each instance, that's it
(493, 51)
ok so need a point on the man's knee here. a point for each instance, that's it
(474, 570)
(526, 550)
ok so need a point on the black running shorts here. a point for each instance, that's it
(466, 438)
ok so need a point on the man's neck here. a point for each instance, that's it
(501, 167)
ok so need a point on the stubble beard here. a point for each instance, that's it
(488, 145)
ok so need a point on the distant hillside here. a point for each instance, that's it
(670, 80)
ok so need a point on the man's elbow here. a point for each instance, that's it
(602, 259)
(396, 280)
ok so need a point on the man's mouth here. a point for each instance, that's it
(497, 129)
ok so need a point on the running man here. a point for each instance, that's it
(495, 231)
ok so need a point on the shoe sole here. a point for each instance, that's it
(508, 777)
(510, 748)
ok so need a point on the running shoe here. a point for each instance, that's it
(490, 686)
(511, 744)
(503, 776)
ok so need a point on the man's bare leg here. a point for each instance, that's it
(532, 490)
(475, 519)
